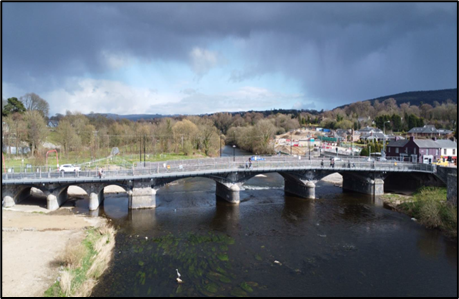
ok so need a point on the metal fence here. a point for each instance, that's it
(222, 165)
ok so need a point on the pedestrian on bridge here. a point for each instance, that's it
(322, 163)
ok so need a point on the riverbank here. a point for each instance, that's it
(428, 206)
(36, 247)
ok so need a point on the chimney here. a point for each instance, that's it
(411, 138)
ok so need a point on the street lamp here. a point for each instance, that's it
(234, 153)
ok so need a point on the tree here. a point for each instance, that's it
(37, 130)
(13, 106)
(17, 130)
(263, 132)
(396, 122)
(67, 135)
(33, 101)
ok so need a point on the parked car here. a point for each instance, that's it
(69, 168)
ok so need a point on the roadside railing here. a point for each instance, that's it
(218, 165)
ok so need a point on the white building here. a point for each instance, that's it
(448, 148)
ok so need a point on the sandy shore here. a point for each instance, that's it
(31, 243)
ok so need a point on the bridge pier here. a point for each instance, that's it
(301, 188)
(95, 200)
(360, 184)
(56, 198)
(229, 192)
(8, 201)
(142, 198)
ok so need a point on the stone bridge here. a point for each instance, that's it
(141, 183)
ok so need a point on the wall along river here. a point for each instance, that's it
(341, 244)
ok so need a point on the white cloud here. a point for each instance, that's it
(104, 96)
(243, 99)
(115, 60)
(202, 61)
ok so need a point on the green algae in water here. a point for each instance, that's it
(238, 292)
(225, 279)
(220, 270)
(179, 289)
(245, 286)
(141, 263)
(211, 287)
(258, 257)
(223, 257)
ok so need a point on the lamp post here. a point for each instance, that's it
(291, 142)
(234, 153)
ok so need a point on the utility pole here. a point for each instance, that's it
(140, 149)
(144, 141)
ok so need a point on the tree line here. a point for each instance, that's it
(26, 120)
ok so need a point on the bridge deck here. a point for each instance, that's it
(217, 166)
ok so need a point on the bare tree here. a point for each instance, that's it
(33, 101)
(36, 129)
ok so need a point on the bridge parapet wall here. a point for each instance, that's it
(452, 188)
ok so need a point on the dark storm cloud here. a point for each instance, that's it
(340, 52)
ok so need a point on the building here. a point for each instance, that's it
(368, 130)
(414, 150)
(428, 131)
(373, 136)
(448, 149)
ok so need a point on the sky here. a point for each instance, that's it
(197, 58)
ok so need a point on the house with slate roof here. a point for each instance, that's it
(414, 150)
(448, 149)
(428, 131)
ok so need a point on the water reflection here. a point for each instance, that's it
(142, 221)
(226, 217)
(297, 210)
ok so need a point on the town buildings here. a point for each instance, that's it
(420, 150)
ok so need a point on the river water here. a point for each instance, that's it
(341, 244)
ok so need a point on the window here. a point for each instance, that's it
(396, 150)
(389, 149)
(414, 151)
(444, 152)
(436, 152)
(454, 151)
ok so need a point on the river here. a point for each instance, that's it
(341, 244)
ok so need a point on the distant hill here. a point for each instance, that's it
(416, 97)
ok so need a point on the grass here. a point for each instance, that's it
(84, 263)
(430, 207)
(83, 157)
